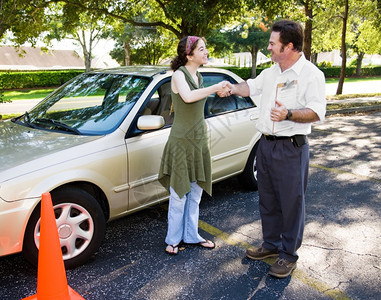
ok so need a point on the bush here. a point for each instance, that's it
(244, 73)
(329, 72)
(325, 64)
(371, 71)
(33, 79)
(2, 99)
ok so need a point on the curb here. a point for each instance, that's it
(353, 110)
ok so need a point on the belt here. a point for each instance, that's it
(297, 139)
(274, 137)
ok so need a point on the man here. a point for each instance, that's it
(292, 97)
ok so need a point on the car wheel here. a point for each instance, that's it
(81, 227)
(248, 178)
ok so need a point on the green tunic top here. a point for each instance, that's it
(186, 155)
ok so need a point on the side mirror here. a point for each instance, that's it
(150, 122)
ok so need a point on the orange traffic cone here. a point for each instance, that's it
(51, 274)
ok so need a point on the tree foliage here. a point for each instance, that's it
(302, 10)
(142, 45)
(165, 19)
(84, 27)
(252, 36)
(197, 17)
(364, 36)
(24, 19)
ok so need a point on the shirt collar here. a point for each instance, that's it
(296, 67)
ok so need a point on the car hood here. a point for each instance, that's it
(20, 144)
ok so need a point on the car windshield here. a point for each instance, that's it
(90, 104)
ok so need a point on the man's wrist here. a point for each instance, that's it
(289, 114)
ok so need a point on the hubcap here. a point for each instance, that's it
(64, 231)
(75, 229)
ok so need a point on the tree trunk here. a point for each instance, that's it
(343, 50)
(86, 53)
(360, 56)
(254, 53)
(87, 61)
(314, 57)
(307, 42)
(127, 52)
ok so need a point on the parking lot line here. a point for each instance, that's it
(319, 286)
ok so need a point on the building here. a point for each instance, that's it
(29, 58)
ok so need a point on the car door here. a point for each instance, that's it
(231, 121)
(145, 150)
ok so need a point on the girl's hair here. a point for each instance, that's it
(185, 47)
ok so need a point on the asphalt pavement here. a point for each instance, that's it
(339, 257)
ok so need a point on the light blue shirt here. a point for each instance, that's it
(301, 86)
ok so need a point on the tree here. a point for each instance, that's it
(25, 19)
(123, 34)
(85, 28)
(305, 11)
(365, 36)
(302, 10)
(153, 47)
(344, 18)
(145, 45)
(359, 17)
(252, 36)
(197, 17)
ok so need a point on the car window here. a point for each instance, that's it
(160, 103)
(92, 104)
(216, 105)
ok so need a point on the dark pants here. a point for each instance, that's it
(282, 181)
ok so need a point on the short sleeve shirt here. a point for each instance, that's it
(301, 86)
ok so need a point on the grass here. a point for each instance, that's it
(353, 79)
(27, 94)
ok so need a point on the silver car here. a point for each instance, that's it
(95, 144)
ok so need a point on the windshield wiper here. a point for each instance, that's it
(26, 120)
(58, 125)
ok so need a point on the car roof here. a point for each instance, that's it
(147, 71)
(151, 71)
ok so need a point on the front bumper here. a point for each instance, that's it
(13, 221)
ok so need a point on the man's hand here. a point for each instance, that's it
(279, 112)
(226, 89)
(301, 115)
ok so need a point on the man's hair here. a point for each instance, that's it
(289, 32)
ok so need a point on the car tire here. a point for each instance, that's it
(248, 178)
(79, 239)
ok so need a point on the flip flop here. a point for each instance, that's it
(172, 249)
(207, 244)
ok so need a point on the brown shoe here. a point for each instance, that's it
(260, 253)
(282, 268)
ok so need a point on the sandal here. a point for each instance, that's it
(207, 244)
(172, 249)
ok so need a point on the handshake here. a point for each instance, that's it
(226, 89)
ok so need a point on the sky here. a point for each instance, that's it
(102, 47)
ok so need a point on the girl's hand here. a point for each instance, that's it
(225, 89)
